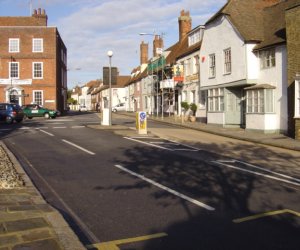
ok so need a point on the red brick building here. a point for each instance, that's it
(33, 62)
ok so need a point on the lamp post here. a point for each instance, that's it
(110, 54)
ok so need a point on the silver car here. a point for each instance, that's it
(118, 107)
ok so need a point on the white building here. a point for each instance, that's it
(244, 74)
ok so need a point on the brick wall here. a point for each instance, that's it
(293, 48)
(51, 84)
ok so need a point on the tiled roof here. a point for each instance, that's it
(274, 28)
(246, 16)
(185, 49)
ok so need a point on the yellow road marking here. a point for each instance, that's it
(271, 213)
(112, 245)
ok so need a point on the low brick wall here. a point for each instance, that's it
(297, 129)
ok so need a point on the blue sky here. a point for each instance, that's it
(89, 28)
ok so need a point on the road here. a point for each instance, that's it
(119, 190)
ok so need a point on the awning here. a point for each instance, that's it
(261, 86)
(241, 83)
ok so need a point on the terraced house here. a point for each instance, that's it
(33, 62)
(246, 74)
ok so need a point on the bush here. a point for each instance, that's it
(193, 108)
(185, 106)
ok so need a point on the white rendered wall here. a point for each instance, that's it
(218, 36)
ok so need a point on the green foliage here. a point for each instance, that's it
(185, 106)
(72, 101)
(193, 107)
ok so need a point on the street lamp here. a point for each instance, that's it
(110, 54)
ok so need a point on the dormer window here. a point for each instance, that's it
(267, 59)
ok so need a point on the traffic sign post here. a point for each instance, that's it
(141, 122)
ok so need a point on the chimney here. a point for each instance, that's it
(144, 53)
(185, 24)
(40, 16)
(157, 43)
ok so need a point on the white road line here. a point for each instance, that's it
(164, 143)
(24, 128)
(182, 196)
(77, 126)
(60, 127)
(256, 173)
(149, 144)
(47, 133)
(76, 146)
(57, 123)
(270, 171)
(40, 127)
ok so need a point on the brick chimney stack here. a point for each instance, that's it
(185, 24)
(41, 16)
(144, 53)
(157, 43)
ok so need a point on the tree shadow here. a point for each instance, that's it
(233, 194)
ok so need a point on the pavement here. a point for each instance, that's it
(275, 140)
(27, 221)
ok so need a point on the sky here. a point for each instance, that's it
(90, 28)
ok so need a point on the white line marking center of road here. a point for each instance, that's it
(182, 196)
(76, 146)
(47, 133)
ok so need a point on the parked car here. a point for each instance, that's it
(35, 110)
(10, 112)
(118, 107)
(82, 108)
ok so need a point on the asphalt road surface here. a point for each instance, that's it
(125, 191)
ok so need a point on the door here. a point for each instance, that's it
(234, 107)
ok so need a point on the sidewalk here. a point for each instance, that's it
(276, 140)
(28, 222)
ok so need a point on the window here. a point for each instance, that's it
(202, 99)
(297, 98)
(267, 59)
(196, 64)
(37, 45)
(37, 70)
(189, 67)
(216, 100)
(38, 97)
(14, 45)
(260, 101)
(193, 96)
(212, 65)
(227, 61)
(14, 70)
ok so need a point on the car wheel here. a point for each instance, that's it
(29, 117)
(19, 120)
(9, 120)
(46, 115)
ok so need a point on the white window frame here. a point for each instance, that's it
(193, 96)
(297, 98)
(37, 45)
(267, 58)
(18, 70)
(34, 97)
(260, 101)
(227, 61)
(14, 47)
(212, 65)
(33, 70)
(216, 100)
